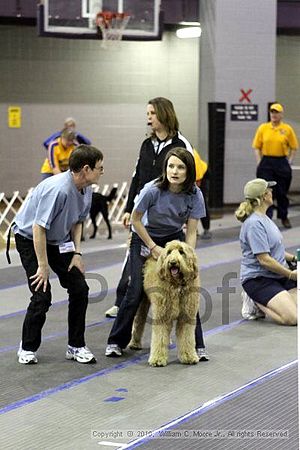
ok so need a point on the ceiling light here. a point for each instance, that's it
(188, 32)
(190, 24)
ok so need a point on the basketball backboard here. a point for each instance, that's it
(76, 18)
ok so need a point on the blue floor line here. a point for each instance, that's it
(203, 267)
(3, 287)
(71, 384)
(53, 276)
(23, 311)
(98, 269)
(209, 405)
(56, 335)
(64, 333)
(225, 327)
(101, 373)
(211, 289)
(53, 305)
(109, 292)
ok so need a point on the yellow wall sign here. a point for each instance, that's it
(14, 117)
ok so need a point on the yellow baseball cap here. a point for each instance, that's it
(276, 107)
(257, 187)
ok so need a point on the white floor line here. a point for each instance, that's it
(111, 444)
(210, 403)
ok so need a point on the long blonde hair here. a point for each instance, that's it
(247, 208)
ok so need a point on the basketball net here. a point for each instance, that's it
(111, 25)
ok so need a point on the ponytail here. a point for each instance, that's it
(246, 208)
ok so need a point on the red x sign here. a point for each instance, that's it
(245, 95)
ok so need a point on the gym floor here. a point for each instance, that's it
(245, 397)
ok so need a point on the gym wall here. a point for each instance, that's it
(106, 91)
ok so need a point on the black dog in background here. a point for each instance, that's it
(100, 205)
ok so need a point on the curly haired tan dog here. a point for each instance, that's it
(172, 286)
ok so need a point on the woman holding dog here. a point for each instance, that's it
(165, 135)
(265, 275)
(163, 207)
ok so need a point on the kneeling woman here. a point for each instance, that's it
(265, 275)
(162, 208)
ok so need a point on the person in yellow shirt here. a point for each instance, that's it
(201, 181)
(275, 144)
(69, 124)
(59, 152)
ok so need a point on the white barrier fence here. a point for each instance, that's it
(8, 210)
(10, 206)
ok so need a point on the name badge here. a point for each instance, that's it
(67, 247)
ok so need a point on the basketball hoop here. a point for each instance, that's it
(111, 25)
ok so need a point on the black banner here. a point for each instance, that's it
(243, 113)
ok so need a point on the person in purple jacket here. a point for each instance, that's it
(69, 124)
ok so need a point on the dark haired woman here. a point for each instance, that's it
(165, 135)
(163, 207)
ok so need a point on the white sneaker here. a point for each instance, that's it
(249, 309)
(82, 355)
(202, 354)
(112, 312)
(26, 356)
(113, 350)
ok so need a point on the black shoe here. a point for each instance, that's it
(286, 223)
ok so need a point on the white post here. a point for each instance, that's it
(120, 7)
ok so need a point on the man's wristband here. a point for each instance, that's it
(78, 253)
(153, 247)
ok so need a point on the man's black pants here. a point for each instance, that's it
(277, 169)
(40, 301)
